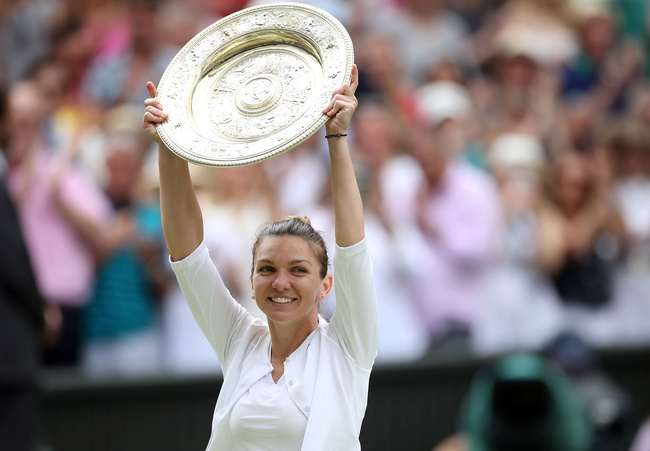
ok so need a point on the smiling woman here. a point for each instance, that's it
(289, 279)
(295, 381)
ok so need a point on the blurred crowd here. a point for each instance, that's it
(502, 149)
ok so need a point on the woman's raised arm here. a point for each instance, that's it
(181, 215)
(348, 208)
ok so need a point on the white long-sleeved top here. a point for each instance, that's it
(327, 378)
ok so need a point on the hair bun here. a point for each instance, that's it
(303, 219)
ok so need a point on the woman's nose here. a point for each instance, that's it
(281, 281)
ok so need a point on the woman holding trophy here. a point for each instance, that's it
(295, 381)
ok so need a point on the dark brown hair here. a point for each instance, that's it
(300, 227)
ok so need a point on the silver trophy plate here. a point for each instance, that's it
(254, 84)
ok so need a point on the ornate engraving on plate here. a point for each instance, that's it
(253, 85)
(277, 91)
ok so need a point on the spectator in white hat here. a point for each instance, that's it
(447, 108)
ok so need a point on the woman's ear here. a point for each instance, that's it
(328, 283)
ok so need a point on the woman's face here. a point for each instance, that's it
(286, 282)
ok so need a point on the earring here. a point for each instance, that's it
(322, 295)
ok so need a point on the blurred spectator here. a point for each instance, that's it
(520, 91)
(25, 27)
(521, 310)
(382, 77)
(540, 26)
(593, 231)
(426, 33)
(450, 230)
(52, 197)
(86, 29)
(121, 319)
(628, 149)
(21, 319)
(122, 77)
(599, 80)
(604, 60)
(588, 280)
(519, 402)
(71, 130)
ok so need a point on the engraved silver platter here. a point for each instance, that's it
(254, 84)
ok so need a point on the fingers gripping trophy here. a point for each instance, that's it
(248, 88)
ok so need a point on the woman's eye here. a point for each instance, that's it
(266, 269)
(299, 270)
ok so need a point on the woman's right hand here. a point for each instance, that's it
(153, 114)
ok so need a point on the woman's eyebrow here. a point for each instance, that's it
(292, 262)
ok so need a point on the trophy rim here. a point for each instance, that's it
(175, 142)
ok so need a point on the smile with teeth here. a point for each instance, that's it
(281, 300)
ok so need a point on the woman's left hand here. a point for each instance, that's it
(342, 106)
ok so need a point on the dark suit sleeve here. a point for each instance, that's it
(17, 281)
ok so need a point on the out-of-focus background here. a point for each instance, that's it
(503, 153)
